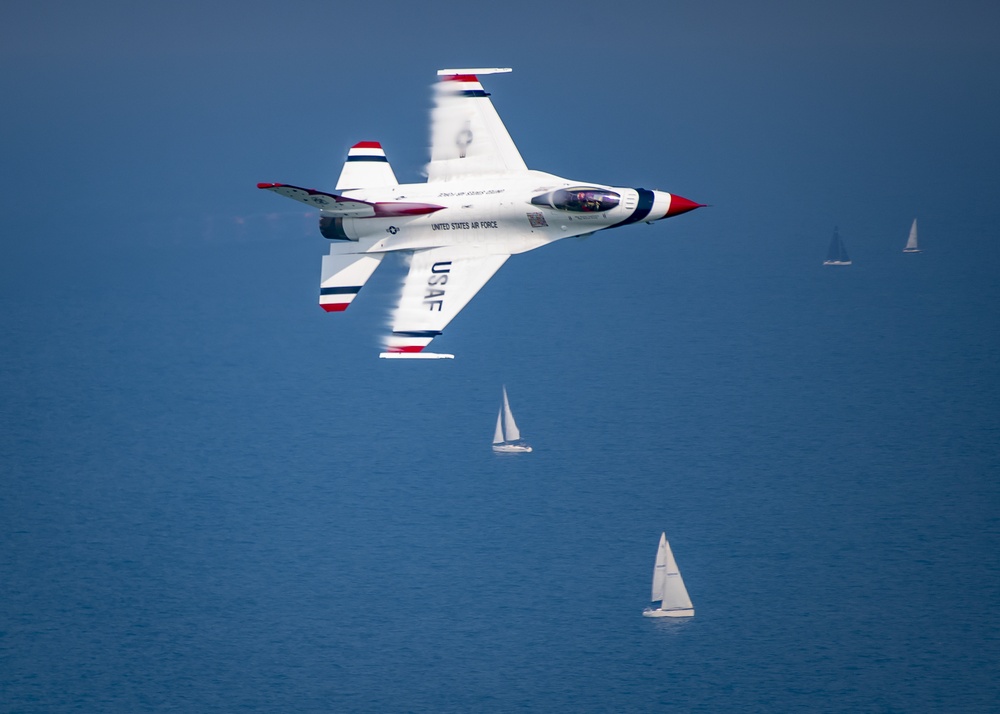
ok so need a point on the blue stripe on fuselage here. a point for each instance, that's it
(642, 209)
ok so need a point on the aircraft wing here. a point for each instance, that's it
(440, 283)
(467, 136)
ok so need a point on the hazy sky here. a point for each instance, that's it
(133, 123)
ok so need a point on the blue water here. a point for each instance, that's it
(215, 497)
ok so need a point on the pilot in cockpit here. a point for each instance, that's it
(588, 202)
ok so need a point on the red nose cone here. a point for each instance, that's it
(679, 205)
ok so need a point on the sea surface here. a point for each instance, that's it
(214, 497)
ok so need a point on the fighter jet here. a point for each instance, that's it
(480, 205)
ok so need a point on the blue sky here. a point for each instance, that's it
(132, 124)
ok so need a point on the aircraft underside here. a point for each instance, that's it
(480, 205)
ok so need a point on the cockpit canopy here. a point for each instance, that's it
(581, 199)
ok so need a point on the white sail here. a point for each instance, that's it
(668, 586)
(675, 595)
(509, 425)
(660, 570)
(911, 242)
(498, 433)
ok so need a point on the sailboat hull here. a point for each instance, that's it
(511, 448)
(911, 250)
(682, 612)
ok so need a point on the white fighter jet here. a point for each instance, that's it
(480, 205)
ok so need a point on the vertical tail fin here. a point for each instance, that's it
(366, 167)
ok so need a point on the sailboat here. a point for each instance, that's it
(911, 242)
(507, 437)
(668, 586)
(837, 255)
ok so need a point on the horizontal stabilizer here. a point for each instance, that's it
(343, 277)
(329, 203)
(341, 207)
